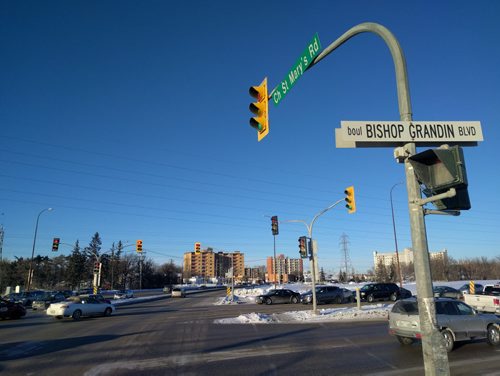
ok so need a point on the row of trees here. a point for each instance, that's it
(445, 269)
(119, 269)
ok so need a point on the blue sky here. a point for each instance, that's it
(130, 118)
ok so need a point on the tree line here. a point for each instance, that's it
(445, 269)
(119, 270)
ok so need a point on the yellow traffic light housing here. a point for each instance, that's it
(350, 200)
(138, 246)
(197, 247)
(261, 109)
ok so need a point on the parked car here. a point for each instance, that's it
(274, 296)
(446, 292)
(380, 291)
(45, 301)
(324, 294)
(25, 298)
(178, 293)
(465, 289)
(348, 296)
(456, 320)
(79, 306)
(11, 310)
(404, 293)
(124, 294)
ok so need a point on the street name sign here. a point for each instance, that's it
(311, 51)
(352, 134)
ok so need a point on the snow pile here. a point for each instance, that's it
(368, 312)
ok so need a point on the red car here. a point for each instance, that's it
(11, 310)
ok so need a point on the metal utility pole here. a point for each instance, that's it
(400, 276)
(434, 353)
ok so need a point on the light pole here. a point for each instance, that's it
(313, 250)
(30, 272)
(395, 238)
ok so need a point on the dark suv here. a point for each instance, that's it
(380, 291)
(324, 294)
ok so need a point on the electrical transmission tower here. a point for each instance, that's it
(344, 241)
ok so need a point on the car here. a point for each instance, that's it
(380, 291)
(446, 292)
(465, 289)
(98, 297)
(25, 298)
(124, 294)
(274, 296)
(324, 294)
(11, 310)
(79, 306)
(404, 293)
(456, 320)
(48, 299)
(178, 293)
(349, 296)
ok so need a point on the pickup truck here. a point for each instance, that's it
(489, 301)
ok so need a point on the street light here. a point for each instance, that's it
(395, 238)
(314, 261)
(30, 273)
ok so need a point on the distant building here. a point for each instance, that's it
(287, 269)
(255, 274)
(208, 264)
(405, 257)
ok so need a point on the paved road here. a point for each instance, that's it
(179, 337)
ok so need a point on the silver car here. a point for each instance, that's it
(456, 320)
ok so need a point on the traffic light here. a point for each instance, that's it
(55, 244)
(197, 247)
(303, 247)
(138, 246)
(261, 109)
(350, 200)
(274, 225)
(440, 169)
(97, 267)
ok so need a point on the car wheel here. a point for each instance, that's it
(449, 342)
(295, 300)
(77, 315)
(405, 340)
(370, 298)
(269, 301)
(393, 297)
(493, 337)
(338, 300)
(107, 311)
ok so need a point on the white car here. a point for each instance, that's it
(79, 306)
(178, 293)
(124, 294)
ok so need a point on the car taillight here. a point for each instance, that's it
(496, 301)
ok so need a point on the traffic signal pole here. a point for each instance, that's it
(434, 354)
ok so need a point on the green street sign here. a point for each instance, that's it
(312, 50)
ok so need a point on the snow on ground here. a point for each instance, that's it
(365, 313)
